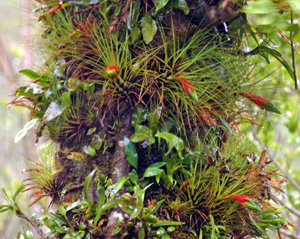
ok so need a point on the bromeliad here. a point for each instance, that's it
(246, 201)
(111, 70)
(260, 101)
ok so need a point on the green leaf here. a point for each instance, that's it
(150, 172)
(165, 236)
(150, 219)
(20, 135)
(172, 141)
(53, 111)
(141, 133)
(119, 185)
(157, 206)
(139, 115)
(170, 229)
(75, 204)
(157, 165)
(89, 150)
(86, 187)
(83, 1)
(57, 218)
(181, 4)
(160, 231)
(20, 189)
(160, 4)
(96, 142)
(130, 152)
(23, 131)
(31, 74)
(167, 223)
(149, 27)
(133, 177)
(76, 155)
(154, 116)
(66, 99)
(5, 208)
(133, 14)
(142, 233)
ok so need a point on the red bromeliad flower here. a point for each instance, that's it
(241, 199)
(246, 201)
(260, 101)
(186, 85)
(111, 70)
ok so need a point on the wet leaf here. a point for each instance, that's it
(130, 152)
(149, 27)
(133, 14)
(181, 4)
(53, 111)
(160, 4)
(173, 142)
(139, 115)
(154, 116)
(151, 172)
(141, 133)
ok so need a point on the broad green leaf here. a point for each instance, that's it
(89, 150)
(139, 115)
(130, 152)
(96, 142)
(31, 74)
(50, 223)
(133, 14)
(150, 172)
(53, 111)
(133, 177)
(141, 133)
(165, 236)
(66, 99)
(150, 219)
(157, 165)
(149, 27)
(160, 4)
(119, 185)
(170, 229)
(160, 231)
(142, 233)
(154, 116)
(86, 187)
(181, 4)
(173, 142)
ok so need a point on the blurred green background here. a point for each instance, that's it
(279, 133)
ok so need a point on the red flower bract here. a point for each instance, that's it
(111, 70)
(186, 85)
(241, 199)
(259, 100)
